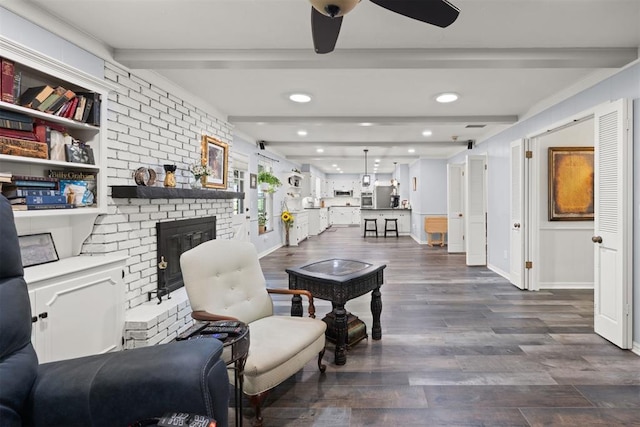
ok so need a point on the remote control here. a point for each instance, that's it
(191, 331)
(221, 329)
(185, 420)
(229, 323)
(220, 337)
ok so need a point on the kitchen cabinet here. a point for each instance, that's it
(76, 306)
(318, 220)
(344, 215)
(300, 228)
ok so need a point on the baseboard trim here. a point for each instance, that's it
(566, 285)
(499, 271)
(636, 348)
(268, 251)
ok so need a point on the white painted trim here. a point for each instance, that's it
(150, 310)
(566, 285)
(268, 251)
(636, 348)
(499, 271)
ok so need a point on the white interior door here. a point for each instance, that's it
(613, 227)
(517, 234)
(241, 217)
(455, 207)
(475, 216)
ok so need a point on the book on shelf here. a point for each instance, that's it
(71, 109)
(77, 115)
(14, 115)
(6, 80)
(79, 186)
(91, 113)
(17, 84)
(23, 147)
(56, 99)
(79, 152)
(19, 134)
(5, 176)
(66, 97)
(15, 192)
(42, 207)
(35, 96)
(39, 200)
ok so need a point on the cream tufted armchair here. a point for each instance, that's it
(224, 280)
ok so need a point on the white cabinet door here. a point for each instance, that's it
(79, 316)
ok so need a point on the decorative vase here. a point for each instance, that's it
(196, 183)
(286, 236)
(170, 175)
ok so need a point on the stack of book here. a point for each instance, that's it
(79, 106)
(35, 193)
(17, 136)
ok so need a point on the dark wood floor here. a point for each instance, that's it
(460, 347)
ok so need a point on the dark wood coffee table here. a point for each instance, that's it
(338, 281)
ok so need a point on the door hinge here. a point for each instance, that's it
(528, 154)
(485, 167)
(528, 265)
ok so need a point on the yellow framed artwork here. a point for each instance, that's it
(571, 192)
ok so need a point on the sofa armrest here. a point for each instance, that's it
(209, 317)
(117, 389)
(297, 292)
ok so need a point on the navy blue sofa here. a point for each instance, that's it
(110, 390)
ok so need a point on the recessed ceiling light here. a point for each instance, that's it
(377, 160)
(427, 133)
(341, 171)
(447, 97)
(366, 124)
(301, 98)
(302, 132)
(320, 150)
(411, 150)
(335, 166)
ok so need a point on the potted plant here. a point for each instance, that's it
(269, 181)
(262, 222)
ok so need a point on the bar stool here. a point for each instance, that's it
(367, 228)
(389, 221)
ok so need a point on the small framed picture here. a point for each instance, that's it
(215, 154)
(37, 249)
(253, 180)
(78, 152)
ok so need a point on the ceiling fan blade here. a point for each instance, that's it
(435, 12)
(325, 31)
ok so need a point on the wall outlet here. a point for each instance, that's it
(506, 255)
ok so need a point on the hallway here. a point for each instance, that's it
(460, 346)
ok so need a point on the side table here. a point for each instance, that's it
(234, 353)
(338, 281)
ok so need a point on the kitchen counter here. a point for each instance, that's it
(387, 209)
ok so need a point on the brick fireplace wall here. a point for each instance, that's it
(148, 126)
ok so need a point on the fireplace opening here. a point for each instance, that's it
(174, 238)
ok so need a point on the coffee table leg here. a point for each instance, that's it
(341, 334)
(376, 309)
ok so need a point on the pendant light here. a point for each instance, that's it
(366, 179)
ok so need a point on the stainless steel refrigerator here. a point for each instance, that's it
(382, 196)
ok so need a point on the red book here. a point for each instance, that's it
(6, 82)
(72, 108)
(19, 134)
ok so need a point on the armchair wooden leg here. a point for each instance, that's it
(256, 403)
(321, 366)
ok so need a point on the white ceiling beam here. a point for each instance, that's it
(385, 144)
(378, 120)
(456, 58)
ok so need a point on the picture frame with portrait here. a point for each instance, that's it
(215, 154)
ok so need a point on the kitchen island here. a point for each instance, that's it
(402, 215)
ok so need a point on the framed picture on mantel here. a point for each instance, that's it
(215, 154)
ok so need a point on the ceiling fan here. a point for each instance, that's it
(326, 16)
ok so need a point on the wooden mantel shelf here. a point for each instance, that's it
(143, 192)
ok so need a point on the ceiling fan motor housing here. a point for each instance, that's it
(334, 8)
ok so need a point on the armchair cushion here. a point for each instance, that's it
(280, 346)
(117, 389)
